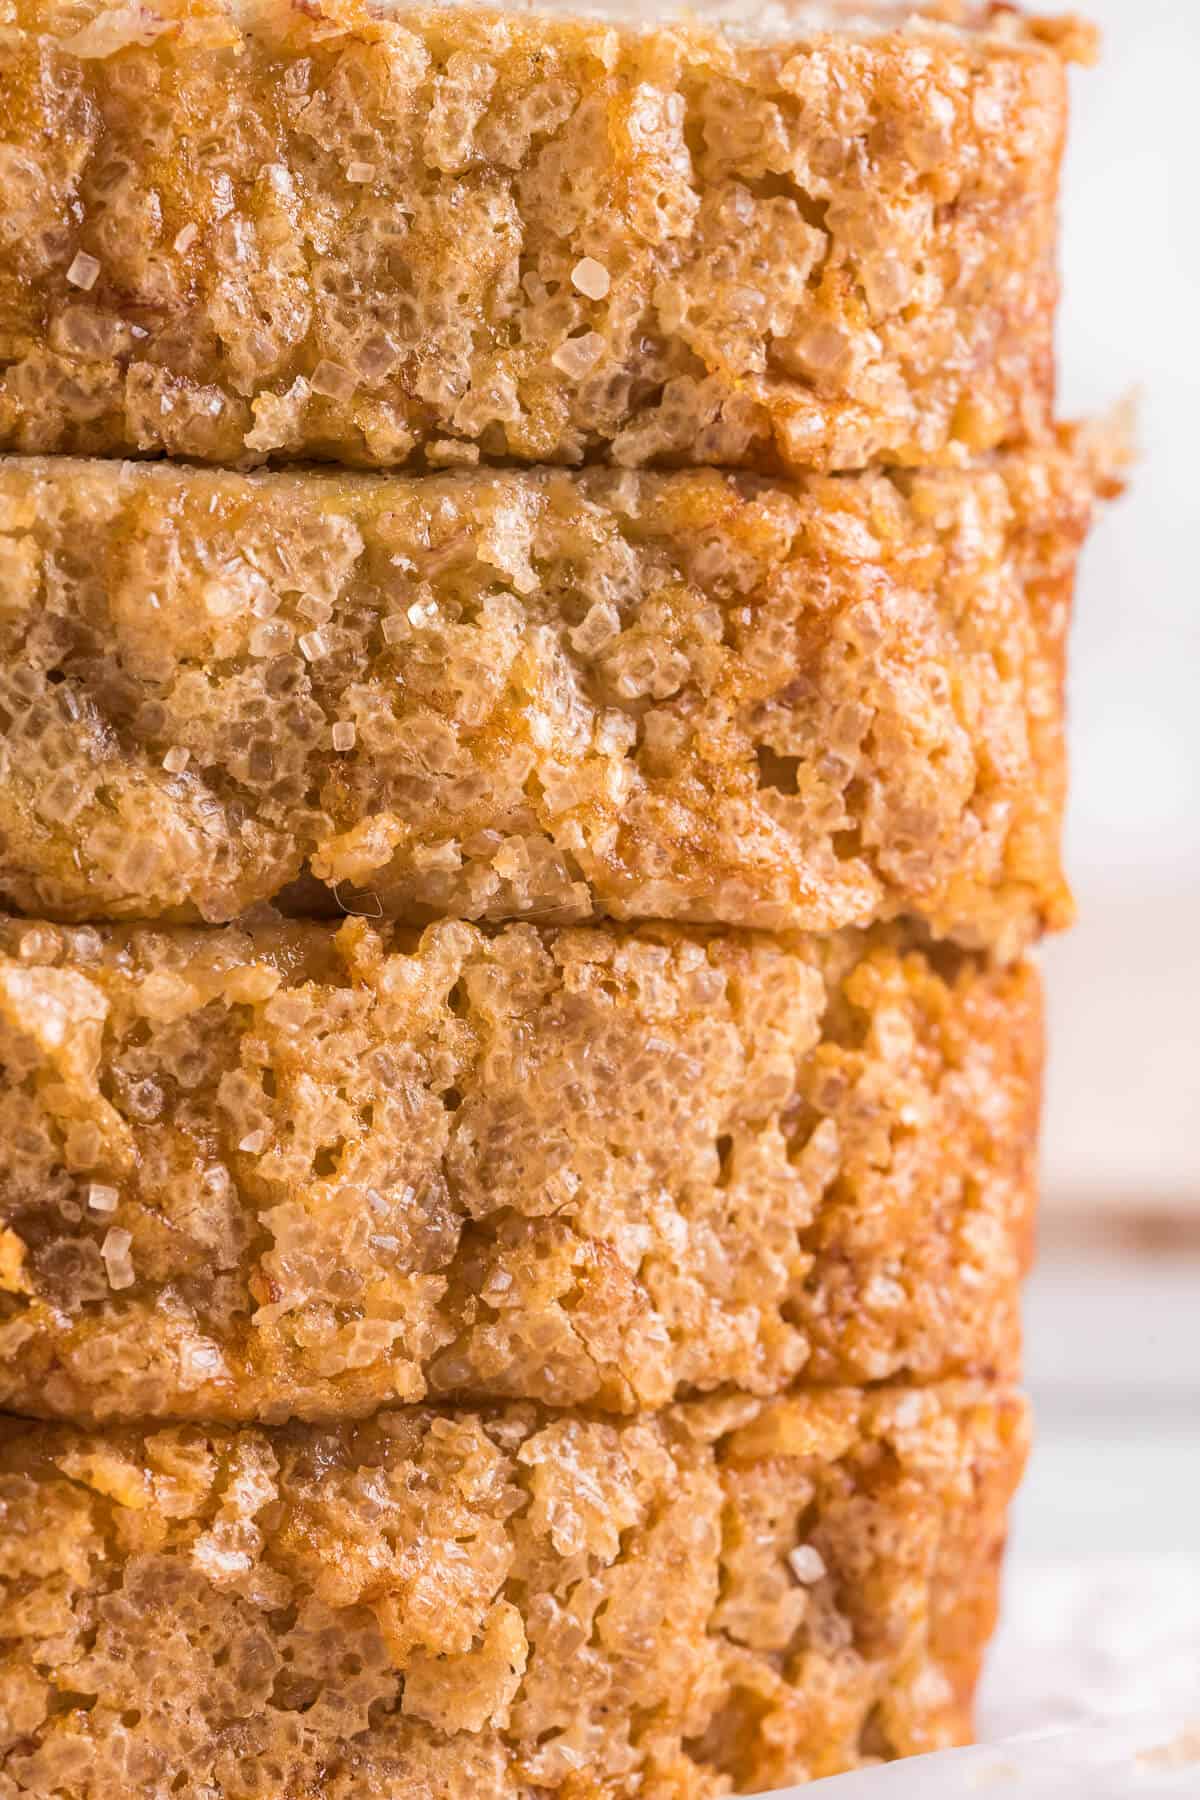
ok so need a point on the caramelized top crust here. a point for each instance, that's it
(727, 1596)
(493, 695)
(383, 235)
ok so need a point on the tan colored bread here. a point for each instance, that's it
(287, 1170)
(380, 234)
(726, 1596)
(691, 696)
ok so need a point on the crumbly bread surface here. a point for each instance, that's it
(234, 232)
(725, 1597)
(296, 1171)
(540, 694)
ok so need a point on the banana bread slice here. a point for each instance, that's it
(297, 1171)
(375, 234)
(541, 694)
(732, 1594)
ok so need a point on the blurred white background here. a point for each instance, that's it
(1124, 1119)
(1103, 1609)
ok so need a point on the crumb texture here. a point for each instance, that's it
(728, 1596)
(307, 1171)
(380, 235)
(546, 695)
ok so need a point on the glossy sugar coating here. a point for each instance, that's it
(378, 235)
(293, 1171)
(494, 695)
(723, 1597)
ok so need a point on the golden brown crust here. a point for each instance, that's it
(293, 1171)
(540, 694)
(235, 232)
(730, 1595)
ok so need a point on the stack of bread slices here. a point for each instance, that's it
(535, 558)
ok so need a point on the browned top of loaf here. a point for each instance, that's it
(288, 1170)
(376, 235)
(539, 694)
(731, 1595)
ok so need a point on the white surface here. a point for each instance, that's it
(1102, 1593)
(1140, 1760)
(1093, 1640)
(1105, 1544)
(1125, 1099)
